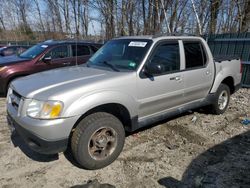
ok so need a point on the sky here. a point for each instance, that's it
(94, 26)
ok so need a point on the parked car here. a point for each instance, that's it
(12, 50)
(44, 56)
(131, 82)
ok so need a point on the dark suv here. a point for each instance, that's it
(12, 50)
(44, 56)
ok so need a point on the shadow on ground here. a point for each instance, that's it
(224, 165)
(19, 142)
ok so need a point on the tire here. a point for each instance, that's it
(97, 140)
(222, 98)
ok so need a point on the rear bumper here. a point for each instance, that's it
(36, 143)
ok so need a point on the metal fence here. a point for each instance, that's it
(235, 44)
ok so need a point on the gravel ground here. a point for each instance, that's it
(193, 150)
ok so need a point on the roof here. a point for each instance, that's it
(55, 42)
(158, 37)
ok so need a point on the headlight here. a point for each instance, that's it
(2, 68)
(10, 91)
(44, 109)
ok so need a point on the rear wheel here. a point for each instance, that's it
(222, 98)
(97, 140)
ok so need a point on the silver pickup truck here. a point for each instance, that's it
(131, 82)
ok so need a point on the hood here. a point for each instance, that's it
(45, 84)
(8, 60)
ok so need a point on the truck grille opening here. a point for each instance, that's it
(15, 99)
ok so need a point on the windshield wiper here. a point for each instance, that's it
(110, 65)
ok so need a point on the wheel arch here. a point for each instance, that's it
(116, 109)
(228, 80)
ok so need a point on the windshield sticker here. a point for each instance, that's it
(137, 44)
(44, 46)
(132, 64)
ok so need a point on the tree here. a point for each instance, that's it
(246, 17)
(215, 7)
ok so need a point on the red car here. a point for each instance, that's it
(44, 56)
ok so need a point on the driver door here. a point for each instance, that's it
(56, 57)
(160, 92)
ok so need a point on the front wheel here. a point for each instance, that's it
(97, 140)
(222, 98)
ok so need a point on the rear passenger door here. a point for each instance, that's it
(199, 72)
(80, 54)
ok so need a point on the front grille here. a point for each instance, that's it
(15, 99)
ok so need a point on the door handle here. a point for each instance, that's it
(208, 72)
(176, 78)
(67, 63)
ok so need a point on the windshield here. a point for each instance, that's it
(33, 51)
(121, 54)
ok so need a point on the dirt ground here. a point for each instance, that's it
(192, 150)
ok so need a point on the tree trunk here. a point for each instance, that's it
(246, 18)
(215, 7)
(144, 17)
(40, 17)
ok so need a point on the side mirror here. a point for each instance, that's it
(47, 60)
(153, 69)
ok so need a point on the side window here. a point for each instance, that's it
(80, 50)
(194, 54)
(167, 56)
(20, 50)
(94, 49)
(9, 51)
(58, 52)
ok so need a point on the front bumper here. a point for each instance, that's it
(43, 136)
(36, 143)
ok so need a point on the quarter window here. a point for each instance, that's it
(168, 56)
(194, 54)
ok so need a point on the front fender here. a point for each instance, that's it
(86, 103)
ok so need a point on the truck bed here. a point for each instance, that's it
(221, 58)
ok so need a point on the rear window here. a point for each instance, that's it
(194, 54)
(80, 50)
